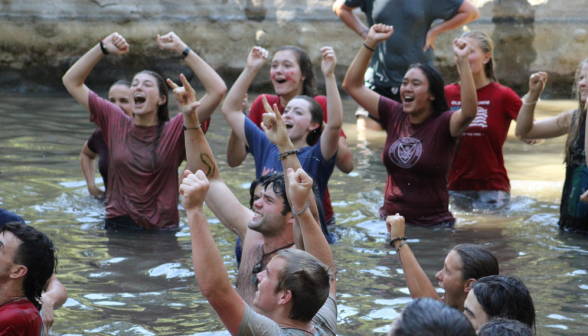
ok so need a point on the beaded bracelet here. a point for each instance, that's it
(300, 213)
(396, 239)
(284, 155)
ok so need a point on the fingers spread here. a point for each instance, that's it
(172, 84)
(266, 105)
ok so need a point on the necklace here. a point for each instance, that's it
(257, 268)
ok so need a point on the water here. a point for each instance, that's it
(143, 283)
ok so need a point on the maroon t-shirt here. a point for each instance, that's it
(417, 158)
(479, 164)
(20, 318)
(256, 115)
(139, 186)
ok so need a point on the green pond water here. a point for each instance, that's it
(143, 284)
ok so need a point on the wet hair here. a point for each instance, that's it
(121, 82)
(278, 184)
(436, 87)
(430, 317)
(316, 116)
(505, 297)
(487, 46)
(260, 181)
(505, 327)
(162, 110)
(306, 69)
(307, 279)
(477, 261)
(578, 119)
(37, 254)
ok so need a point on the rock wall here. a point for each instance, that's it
(41, 39)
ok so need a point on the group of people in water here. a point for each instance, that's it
(443, 143)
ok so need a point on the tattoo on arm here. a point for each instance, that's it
(209, 163)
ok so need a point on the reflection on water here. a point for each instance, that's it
(142, 283)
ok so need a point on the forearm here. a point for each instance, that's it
(334, 104)
(417, 281)
(209, 268)
(457, 21)
(314, 240)
(344, 157)
(525, 120)
(88, 165)
(469, 97)
(198, 153)
(234, 100)
(350, 19)
(77, 74)
(355, 73)
(236, 152)
(56, 291)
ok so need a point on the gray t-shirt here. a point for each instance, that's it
(325, 323)
(411, 20)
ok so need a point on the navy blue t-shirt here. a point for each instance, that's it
(7, 217)
(311, 159)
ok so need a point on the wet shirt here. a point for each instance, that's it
(141, 185)
(256, 115)
(479, 164)
(325, 323)
(417, 158)
(574, 212)
(97, 145)
(20, 318)
(411, 20)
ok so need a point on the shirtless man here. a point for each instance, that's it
(264, 231)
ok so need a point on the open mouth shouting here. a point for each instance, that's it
(139, 99)
(281, 80)
(408, 98)
(289, 125)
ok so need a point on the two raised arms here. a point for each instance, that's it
(116, 44)
(370, 100)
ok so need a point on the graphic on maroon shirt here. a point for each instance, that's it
(479, 163)
(406, 152)
(20, 318)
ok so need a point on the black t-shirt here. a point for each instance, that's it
(411, 20)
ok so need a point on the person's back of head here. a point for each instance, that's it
(505, 297)
(505, 327)
(307, 279)
(477, 261)
(430, 317)
(37, 254)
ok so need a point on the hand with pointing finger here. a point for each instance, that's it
(185, 96)
(273, 125)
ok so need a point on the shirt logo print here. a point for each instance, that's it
(481, 119)
(406, 152)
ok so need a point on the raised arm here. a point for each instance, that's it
(461, 119)
(299, 189)
(353, 82)
(54, 297)
(332, 131)
(199, 156)
(344, 156)
(209, 268)
(345, 13)
(466, 13)
(417, 281)
(88, 164)
(214, 85)
(232, 105)
(75, 77)
(527, 127)
(236, 152)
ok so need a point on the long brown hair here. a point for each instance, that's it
(579, 117)
(162, 110)
(306, 69)
(487, 46)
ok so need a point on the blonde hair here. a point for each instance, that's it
(579, 116)
(487, 46)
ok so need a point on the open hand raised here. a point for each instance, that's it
(299, 187)
(194, 188)
(273, 125)
(378, 33)
(256, 58)
(115, 44)
(185, 96)
(329, 61)
(171, 41)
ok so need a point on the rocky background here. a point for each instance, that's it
(40, 39)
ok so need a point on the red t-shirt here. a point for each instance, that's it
(479, 164)
(146, 191)
(20, 318)
(417, 158)
(256, 115)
